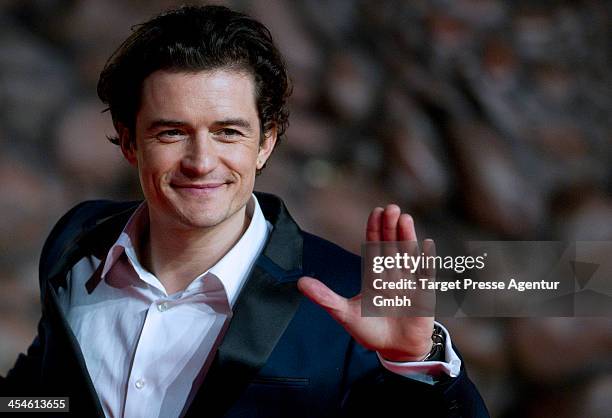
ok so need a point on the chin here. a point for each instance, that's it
(200, 220)
(200, 213)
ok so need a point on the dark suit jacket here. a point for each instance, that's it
(282, 355)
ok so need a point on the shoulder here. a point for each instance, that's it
(74, 223)
(84, 215)
(89, 211)
(333, 265)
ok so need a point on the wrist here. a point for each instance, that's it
(433, 350)
(438, 340)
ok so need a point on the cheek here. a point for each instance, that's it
(156, 163)
(242, 161)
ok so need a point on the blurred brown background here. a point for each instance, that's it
(485, 119)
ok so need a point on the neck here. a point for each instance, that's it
(177, 255)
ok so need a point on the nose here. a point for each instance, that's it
(200, 157)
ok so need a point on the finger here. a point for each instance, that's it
(424, 301)
(389, 222)
(429, 249)
(336, 305)
(373, 239)
(406, 231)
(373, 228)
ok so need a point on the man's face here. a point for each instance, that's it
(197, 146)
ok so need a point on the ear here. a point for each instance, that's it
(266, 147)
(128, 147)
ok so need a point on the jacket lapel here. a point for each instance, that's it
(263, 311)
(92, 238)
(69, 372)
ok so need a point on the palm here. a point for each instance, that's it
(395, 338)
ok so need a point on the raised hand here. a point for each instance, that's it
(395, 338)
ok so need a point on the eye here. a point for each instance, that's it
(228, 132)
(171, 135)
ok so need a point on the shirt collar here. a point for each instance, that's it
(233, 268)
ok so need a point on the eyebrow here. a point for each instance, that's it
(158, 123)
(238, 122)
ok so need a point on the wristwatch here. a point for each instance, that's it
(437, 349)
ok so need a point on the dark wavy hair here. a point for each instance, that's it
(196, 38)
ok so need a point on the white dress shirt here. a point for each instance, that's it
(147, 352)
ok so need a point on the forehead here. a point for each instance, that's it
(186, 95)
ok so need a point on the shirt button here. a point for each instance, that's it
(139, 383)
(162, 306)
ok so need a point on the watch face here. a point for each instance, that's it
(438, 335)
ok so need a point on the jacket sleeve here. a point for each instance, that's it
(373, 391)
(23, 378)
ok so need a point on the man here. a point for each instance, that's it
(192, 303)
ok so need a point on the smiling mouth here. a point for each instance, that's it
(198, 186)
(199, 189)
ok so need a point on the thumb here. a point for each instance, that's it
(336, 305)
